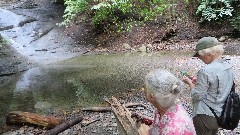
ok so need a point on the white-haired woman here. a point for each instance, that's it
(162, 90)
(211, 87)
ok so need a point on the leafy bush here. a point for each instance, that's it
(235, 21)
(73, 7)
(214, 9)
(124, 14)
(219, 10)
(120, 13)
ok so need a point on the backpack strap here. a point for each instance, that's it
(233, 87)
(232, 90)
(215, 115)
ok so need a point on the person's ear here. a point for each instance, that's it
(151, 97)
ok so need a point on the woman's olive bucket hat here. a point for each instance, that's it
(204, 43)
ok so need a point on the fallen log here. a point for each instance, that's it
(18, 117)
(65, 125)
(98, 109)
(124, 116)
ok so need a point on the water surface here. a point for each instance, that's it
(87, 80)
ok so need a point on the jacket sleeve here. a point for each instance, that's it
(199, 92)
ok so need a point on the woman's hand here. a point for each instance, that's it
(194, 79)
(143, 129)
(191, 82)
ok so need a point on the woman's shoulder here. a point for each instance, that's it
(181, 120)
(216, 65)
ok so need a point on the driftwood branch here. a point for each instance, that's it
(108, 109)
(124, 116)
(84, 124)
(58, 129)
(18, 117)
(134, 104)
(97, 109)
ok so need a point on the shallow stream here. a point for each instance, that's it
(87, 80)
(78, 82)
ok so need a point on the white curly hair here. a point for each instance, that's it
(215, 50)
(164, 86)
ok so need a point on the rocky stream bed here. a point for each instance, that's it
(103, 123)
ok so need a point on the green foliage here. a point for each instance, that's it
(120, 13)
(73, 7)
(3, 41)
(112, 13)
(235, 21)
(102, 12)
(214, 9)
(219, 10)
(124, 14)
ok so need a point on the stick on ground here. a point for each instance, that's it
(60, 128)
(98, 109)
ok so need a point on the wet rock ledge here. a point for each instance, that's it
(11, 61)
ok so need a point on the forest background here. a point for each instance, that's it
(111, 23)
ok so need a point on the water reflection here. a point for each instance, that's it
(27, 79)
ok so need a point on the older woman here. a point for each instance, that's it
(162, 90)
(213, 84)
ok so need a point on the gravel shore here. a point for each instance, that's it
(105, 123)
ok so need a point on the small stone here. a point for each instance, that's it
(222, 38)
(126, 46)
(142, 48)
(114, 124)
(21, 131)
(149, 48)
